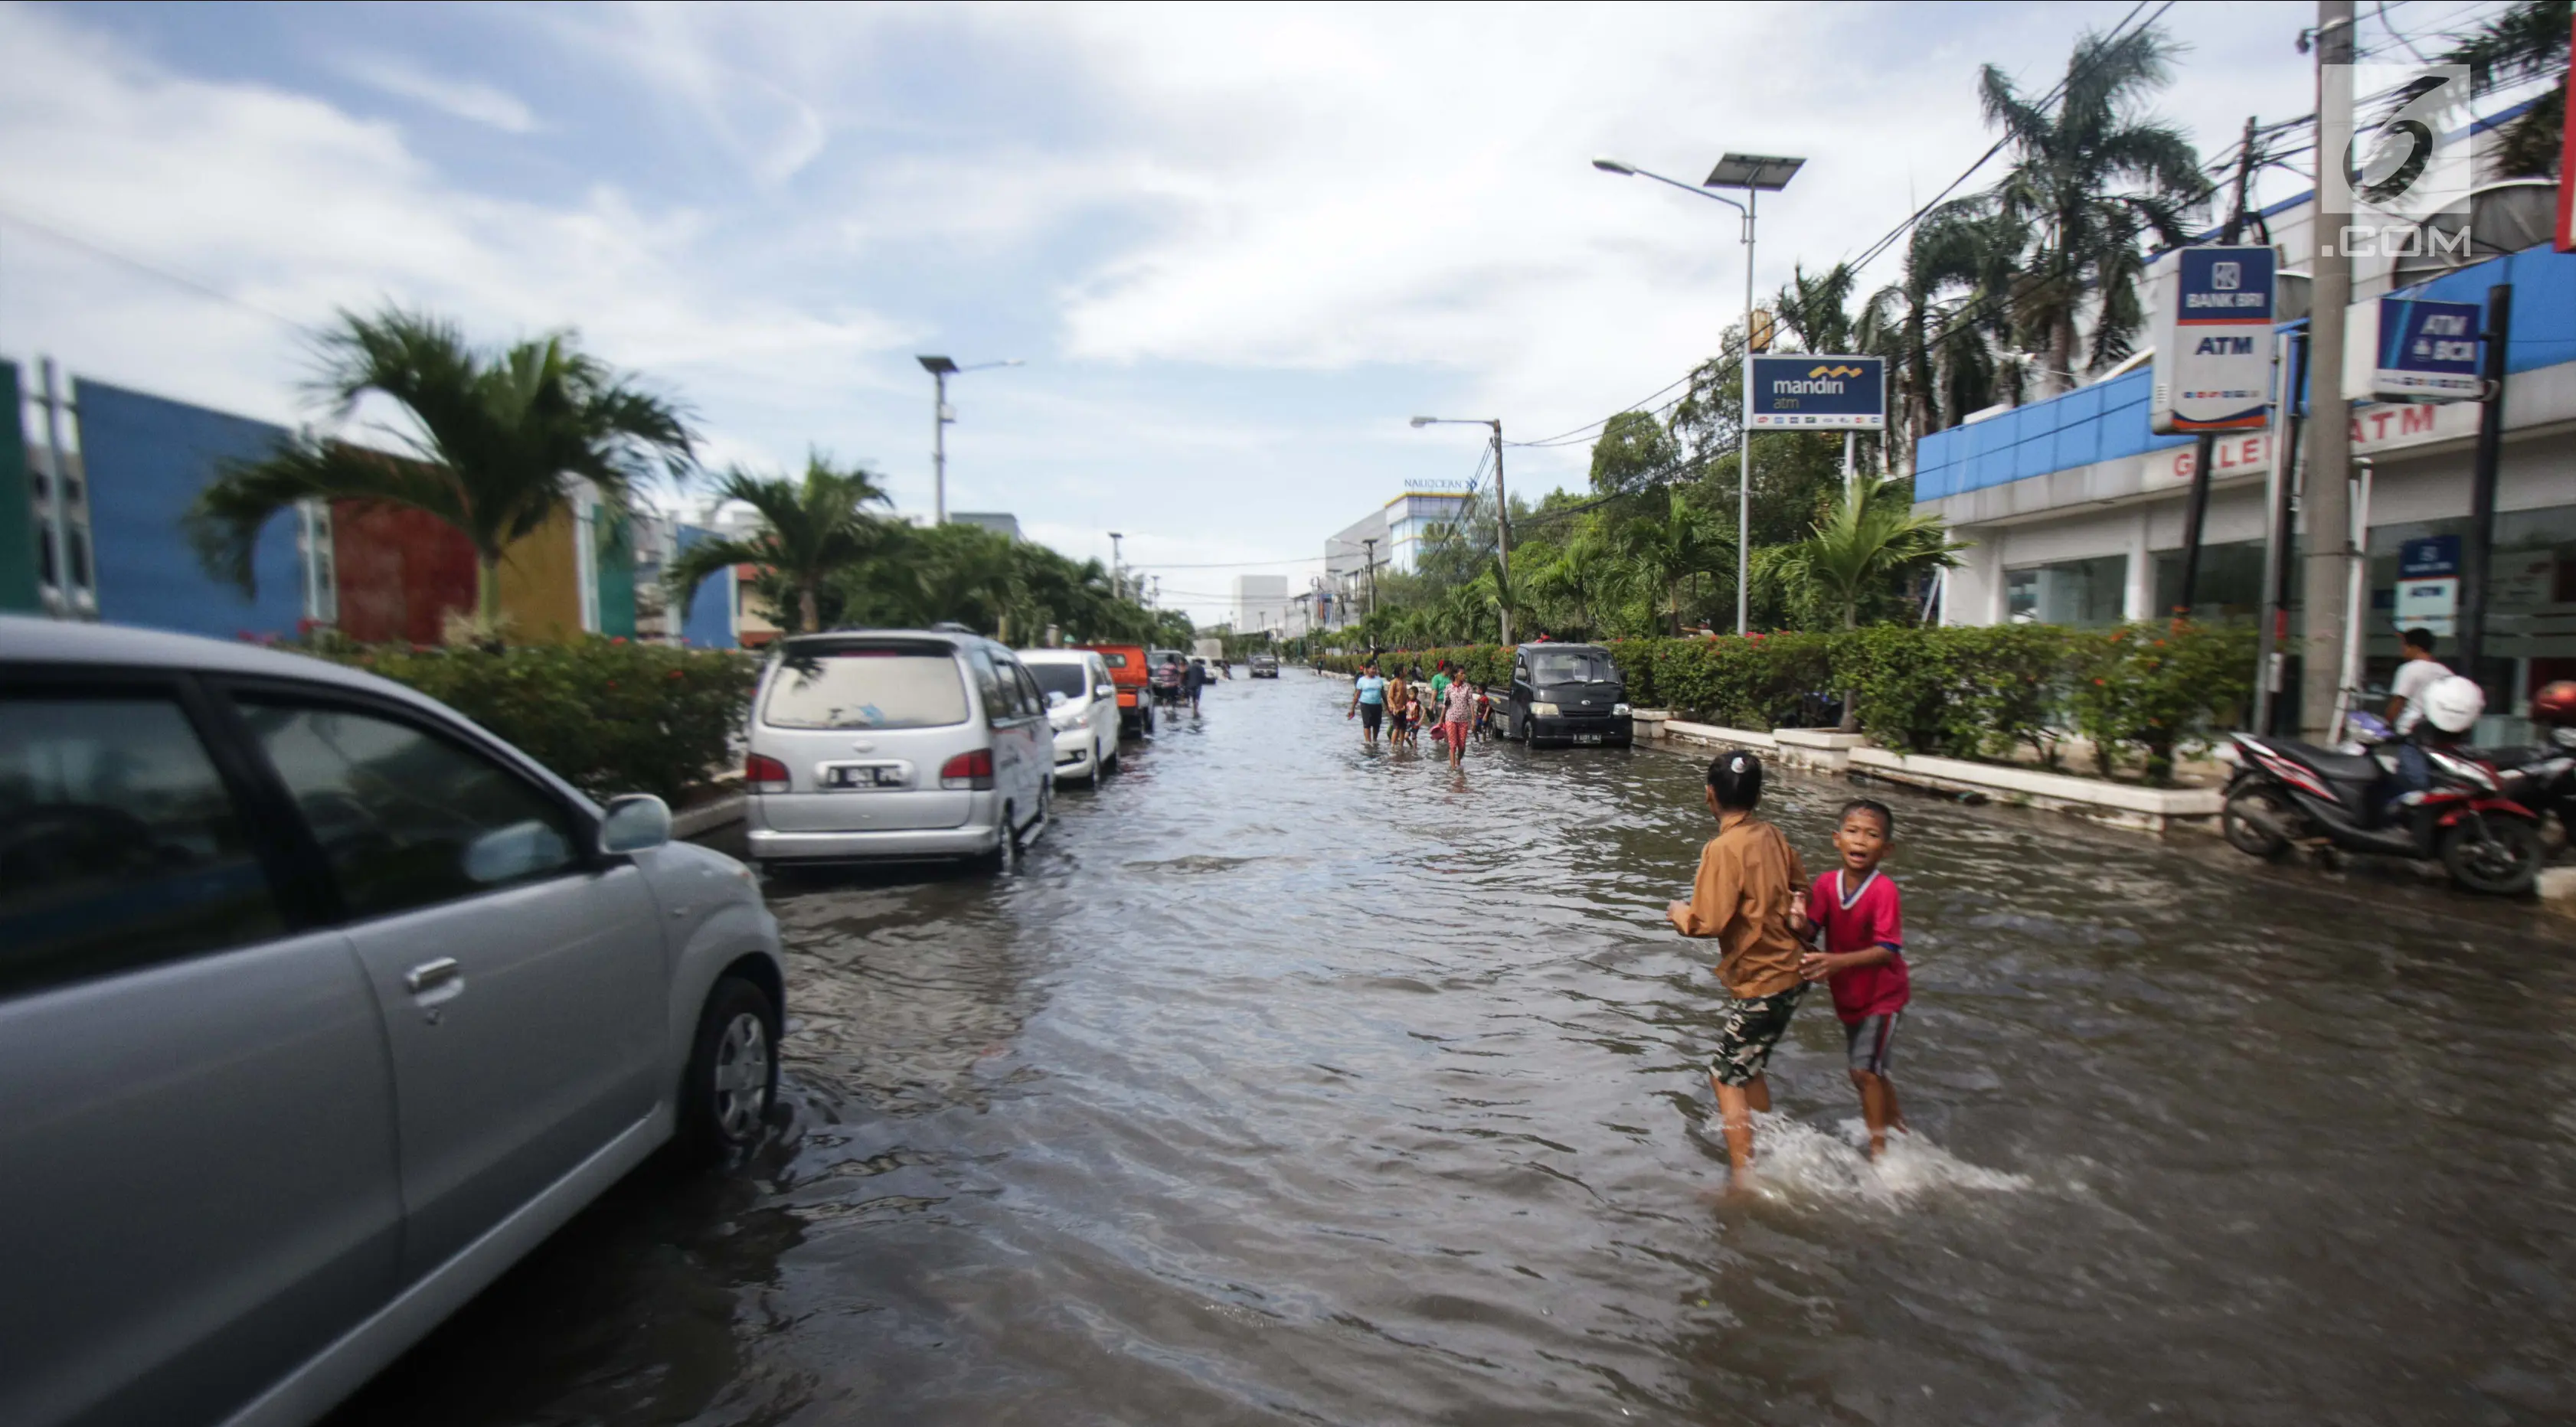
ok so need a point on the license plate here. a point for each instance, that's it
(1587, 738)
(845, 777)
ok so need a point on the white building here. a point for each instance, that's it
(1261, 604)
(1392, 536)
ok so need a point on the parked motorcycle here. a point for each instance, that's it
(2472, 816)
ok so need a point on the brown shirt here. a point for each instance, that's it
(1749, 880)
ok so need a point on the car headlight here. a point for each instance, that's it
(1542, 710)
(1618, 710)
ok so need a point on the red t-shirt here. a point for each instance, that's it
(1867, 916)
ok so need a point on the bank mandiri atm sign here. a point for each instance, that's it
(2213, 336)
(1820, 393)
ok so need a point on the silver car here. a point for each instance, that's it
(897, 744)
(319, 1007)
(1082, 709)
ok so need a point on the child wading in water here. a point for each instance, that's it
(1864, 957)
(1747, 895)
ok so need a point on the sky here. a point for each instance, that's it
(1236, 246)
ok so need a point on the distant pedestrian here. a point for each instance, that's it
(1368, 702)
(1193, 680)
(1857, 908)
(1747, 895)
(1459, 714)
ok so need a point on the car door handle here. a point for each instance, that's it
(430, 975)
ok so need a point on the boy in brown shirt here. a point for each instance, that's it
(1749, 895)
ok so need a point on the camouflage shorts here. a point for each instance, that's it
(1746, 1032)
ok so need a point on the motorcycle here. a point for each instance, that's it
(2472, 818)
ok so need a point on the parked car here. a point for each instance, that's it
(319, 1007)
(1082, 708)
(897, 743)
(1566, 693)
(1262, 666)
(1135, 695)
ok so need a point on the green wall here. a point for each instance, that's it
(18, 567)
(616, 567)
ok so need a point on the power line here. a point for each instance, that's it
(96, 249)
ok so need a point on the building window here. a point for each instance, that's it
(2230, 586)
(2082, 593)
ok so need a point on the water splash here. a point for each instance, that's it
(1803, 1161)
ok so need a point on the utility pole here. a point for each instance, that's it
(1117, 576)
(2204, 450)
(1371, 542)
(58, 505)
(2478, 551)
(1744, 443)
(941, 415)
(2326, 505)
(1503, 529)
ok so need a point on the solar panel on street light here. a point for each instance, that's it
(1766, 172)
(937, 366)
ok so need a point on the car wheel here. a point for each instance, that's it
(732, 1078)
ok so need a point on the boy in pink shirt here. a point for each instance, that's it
(1859, 914)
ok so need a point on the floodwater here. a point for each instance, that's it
(1293, 1082)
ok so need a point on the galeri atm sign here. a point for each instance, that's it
(2213, 335)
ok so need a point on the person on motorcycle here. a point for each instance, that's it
(2447, 710)
(2417, 671)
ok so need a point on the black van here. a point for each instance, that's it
(1566, 693)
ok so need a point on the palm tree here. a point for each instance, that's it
(2090, 181)
(812, 533)
(498, 441)
(1664, 552)
(2526, 40)
(1869, 541)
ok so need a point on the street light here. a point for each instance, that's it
(941, 369)
(1756, 174)
(1117, 581)
(1502, 503)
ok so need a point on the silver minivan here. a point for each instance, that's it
(897, 743)
(319, 1007)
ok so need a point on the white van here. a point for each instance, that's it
(1082, 707)
(892, 743)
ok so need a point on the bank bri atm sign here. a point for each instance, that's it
(2213, 335)
(1815, 393)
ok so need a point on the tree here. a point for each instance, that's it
(2090, 181)
(1664, 552)
(2526, 40)
(1870, 541)
(498, 441)
(812, 533)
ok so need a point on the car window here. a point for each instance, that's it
(406, 817)
(1569, 666)
(1114, 661)
(866, 688)
(119, 843)
(1070, 680)
(998, 703)
(1032, 698)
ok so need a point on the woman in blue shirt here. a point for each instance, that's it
(1368, 703)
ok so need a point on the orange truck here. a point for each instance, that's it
(1127, 669)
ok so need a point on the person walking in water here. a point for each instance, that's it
(1747, 896)
(1368, 702)
(1194, 681)
(1458, 715)
(1856, 907)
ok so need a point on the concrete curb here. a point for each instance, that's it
(1848, 755)
(710, 816)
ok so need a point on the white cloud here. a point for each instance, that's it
(470, 100)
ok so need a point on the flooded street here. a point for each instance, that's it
(1290, 1081)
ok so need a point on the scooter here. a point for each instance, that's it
(2286, 792)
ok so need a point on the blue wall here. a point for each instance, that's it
(147, 458)
(709, 623)
(2108, 420)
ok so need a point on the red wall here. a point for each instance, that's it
(401, 572)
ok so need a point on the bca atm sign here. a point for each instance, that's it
(2213, 335)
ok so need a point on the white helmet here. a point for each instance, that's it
(2453, 704)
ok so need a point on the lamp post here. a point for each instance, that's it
(941, 369)
(1371, 542)
(1502, 504)
(1117, 581)
(1756, 174)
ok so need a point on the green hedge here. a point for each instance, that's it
(2137, 692)
(609, 715)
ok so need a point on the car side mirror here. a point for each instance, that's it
(1056, 699)
(636, 822)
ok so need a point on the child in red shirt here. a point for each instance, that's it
(1859, 914)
